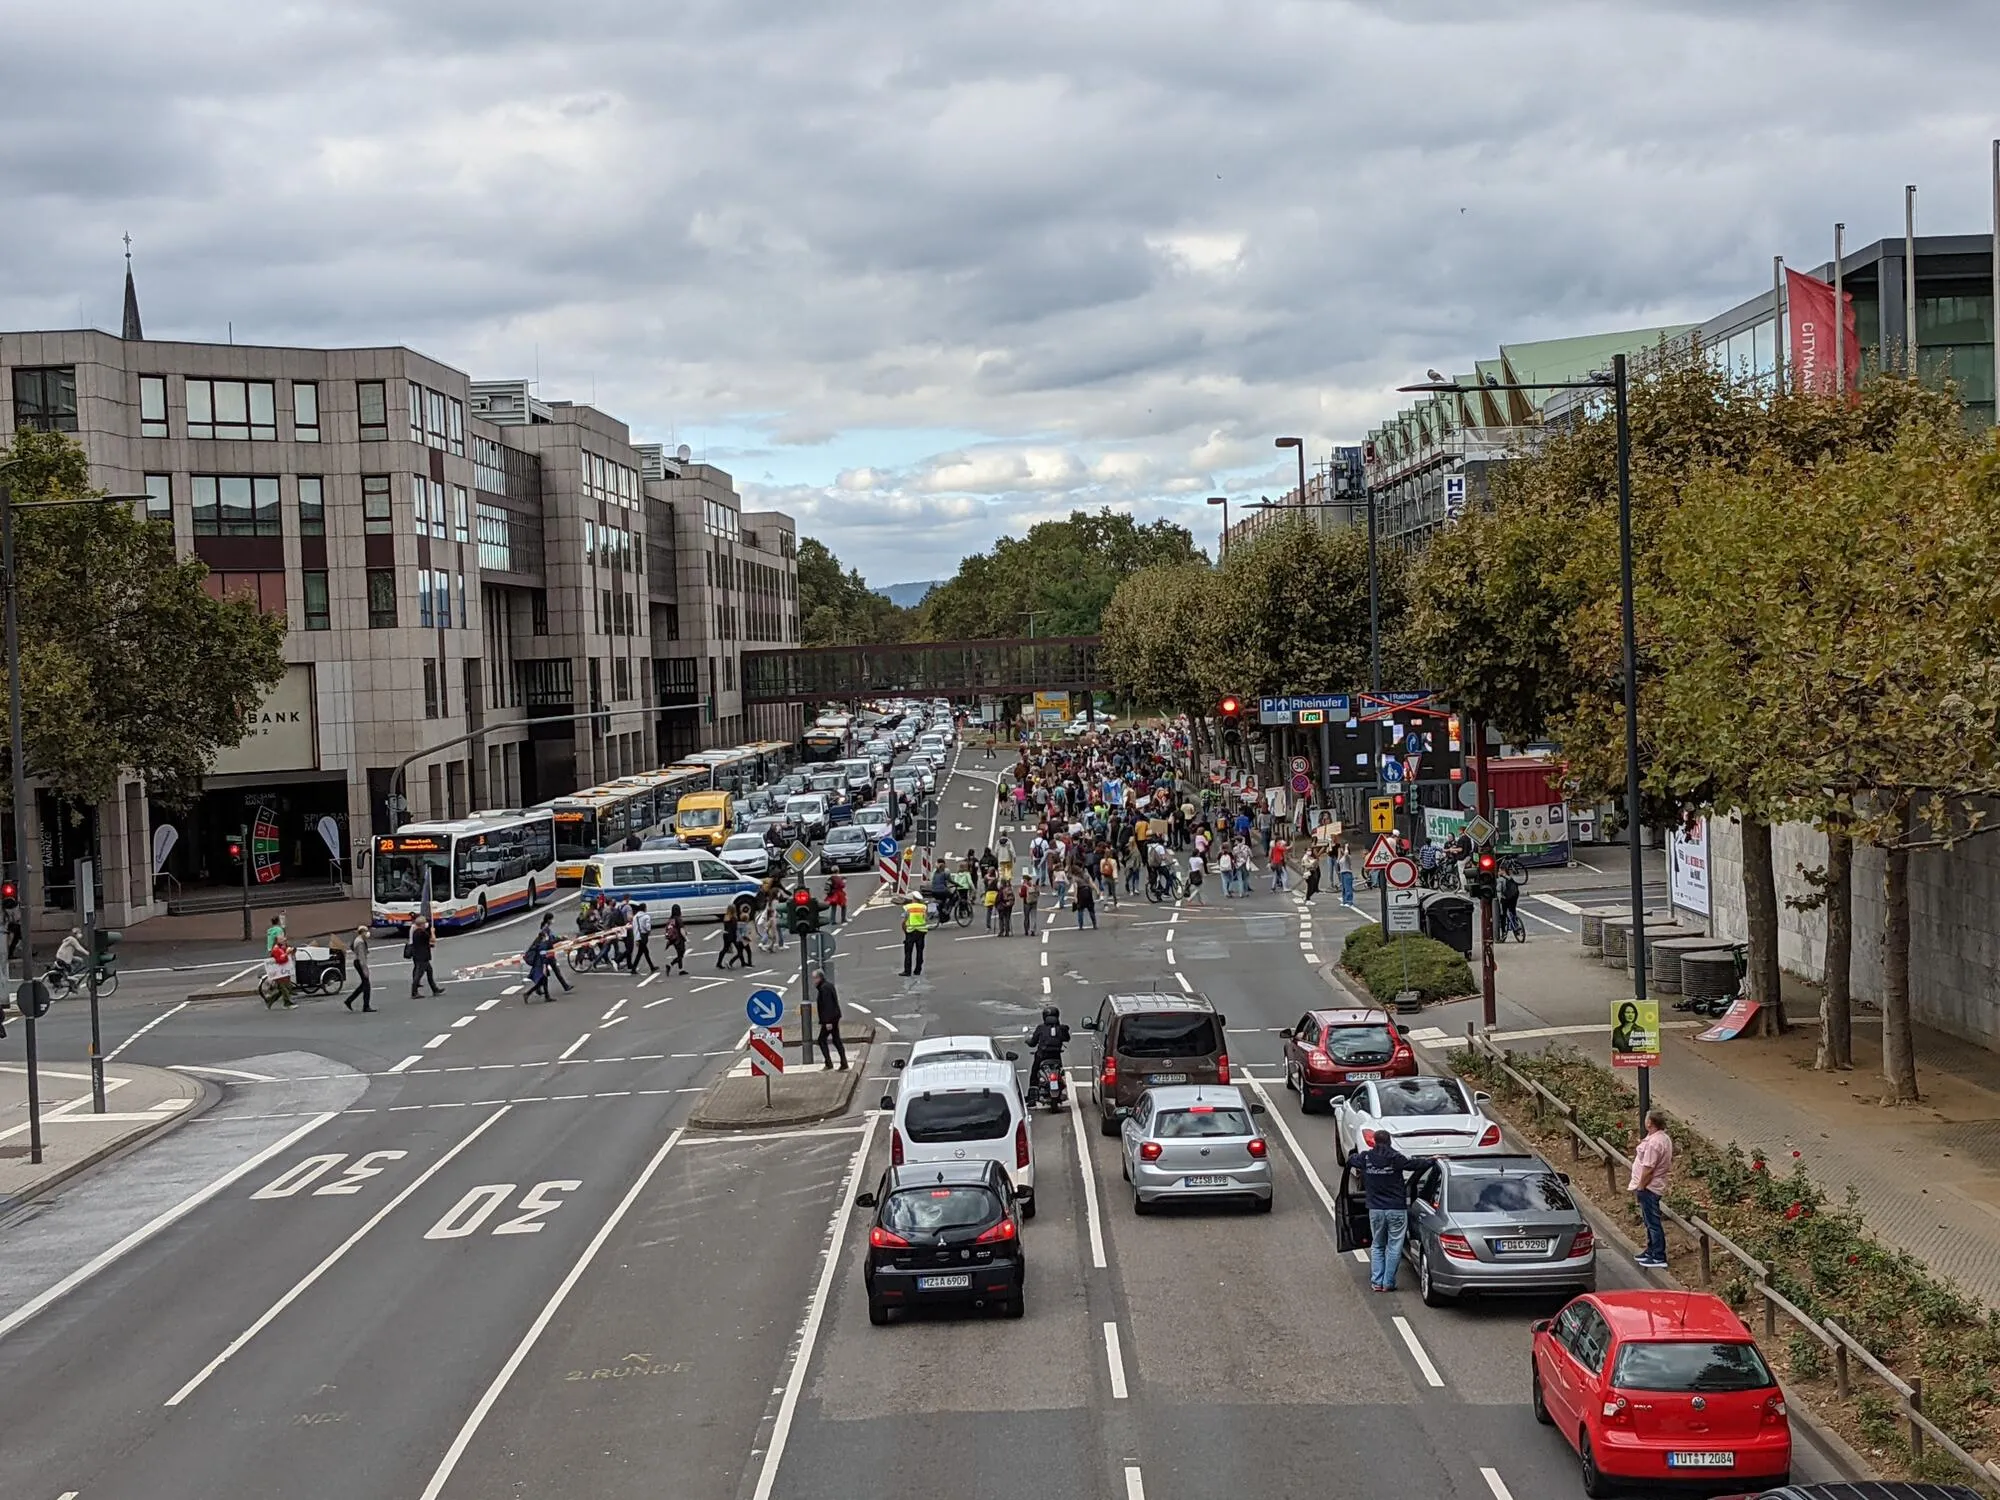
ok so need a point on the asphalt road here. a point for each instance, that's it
(464, 1248)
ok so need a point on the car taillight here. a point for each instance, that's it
(895, 1148)
(1004, 1230)
(1617, 1411)
(1255, 1146)
(881, 1239)
(1457, 1246)
(1149, 1150)
(1021, 1144)
(1774, 1408)
(1109, 1077)
(1222, 1068)
(1319, 1062)
(1491, 1137)
(1584, 1244)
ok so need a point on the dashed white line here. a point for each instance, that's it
(463, 1021)
(512, 989)
(224, 983)
(414, 1057)
(615, 1009)
(1184, 981)
(1135, 1487)
(887, 1025)
(570, 1051)
(1431, 1376)
(1115, 1358)
(647, 980)
(437, 1041)
(619, 1021)
(651, 1003)
(1090, 1215)
(1170, 957)
(168, 1016)
(1496, 1484)
(1045, 984)
(489, 1004)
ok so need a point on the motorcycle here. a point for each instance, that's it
(1048, 1083)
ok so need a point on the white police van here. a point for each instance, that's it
(702, 886)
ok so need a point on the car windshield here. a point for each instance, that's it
(701, 817)
(1360, 1043)
(932, 1118)
(848, 835)
(743, 842)
(1201, 1120)
(933, 1210)
(1423, 1096)
(1167, 1034)
(1688, 1366)
(1507, 1193)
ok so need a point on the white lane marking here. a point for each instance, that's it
(1115, 1357)
(221, 1072)
(463, 1021)
(648, 980)
(570, 1051)
(857, 1005)
(888, 1025)
(788, 1404)
(620, 1005)
(437, 1041)
(414, 1057)
(1310, 957)
(726, 1139)
(1558, 903)
(1045, 958)
(1277, 1118)
(1360, 1255)
(651, 1003)
(1135, 1487)
(708, 984)
(489, 1004)
(300, 1287)
(1171, 960)
(1090, 1215)
(621, 1020)
(168, 1016)
(231, 979)
(1045, 984)
(512, 989)
(542, 1320)
(1184, 981)
(153, 1226)
(1496, 1484)
(1431, 1376)
(1533, 917)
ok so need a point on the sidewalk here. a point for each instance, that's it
(1927, 1176)
(139, 1101)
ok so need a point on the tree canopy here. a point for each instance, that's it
(838, 608)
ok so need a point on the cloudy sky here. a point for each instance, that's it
(926, 271)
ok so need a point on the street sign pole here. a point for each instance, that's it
(805, 1000)
(245, 847)
(86, 895)
(1489, 982)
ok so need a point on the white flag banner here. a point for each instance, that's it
(329, 833)
(164, 839)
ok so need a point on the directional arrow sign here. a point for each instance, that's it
(765, 1007)
(1382, 851)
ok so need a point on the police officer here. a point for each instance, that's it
(916, 924)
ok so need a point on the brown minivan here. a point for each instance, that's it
(1139, 1041)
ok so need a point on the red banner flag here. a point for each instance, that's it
(1810, 301)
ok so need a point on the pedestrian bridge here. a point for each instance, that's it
(956, 669)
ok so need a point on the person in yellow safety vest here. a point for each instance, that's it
(916, 923)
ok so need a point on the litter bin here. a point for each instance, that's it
(1448, 918)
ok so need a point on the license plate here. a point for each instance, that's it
(1522, 1247)
(1166, 1078)
(943, 1283)
(1362, 1077)
(1701, 1460)
(1194, 1182)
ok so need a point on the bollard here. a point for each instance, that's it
(1770, 1320)
(1704, 1258)
(1840, 1369)
(1916, 1427)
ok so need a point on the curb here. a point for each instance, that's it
(112, 1150)
(781, 1120)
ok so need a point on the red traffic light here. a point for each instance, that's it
(235, 849)
(9, 891)
(802, 897)
(1230, 706)
(1399, 801)
(1487, 863)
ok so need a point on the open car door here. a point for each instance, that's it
(1350, 1218)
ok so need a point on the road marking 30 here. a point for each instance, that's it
(469, 1215)
(295, 1179)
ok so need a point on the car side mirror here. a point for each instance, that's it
(1482, 1097)
(1256, 1109)
(901, 1062)
(1563, 1178)
(1013, 1057)
(1221, 1021)
(1285, 1035)
(889, 1102)
(1541, 1325)
(864, 1200)
(1090, 1023)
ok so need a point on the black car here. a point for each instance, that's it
(945, 1234)
(847, 848)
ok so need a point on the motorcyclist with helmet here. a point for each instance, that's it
(1048, 1042)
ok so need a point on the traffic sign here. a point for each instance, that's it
(1400, 874)
(1381, 815)
(1301, 783)
(766, 1007)
(798, 856)
(886, 848)
(1405, 913)
(1300, 765)
(1478, 829)
(767, 1051)
(1468, 795)
(1383, 851)
(1392, 771)
(33, 999)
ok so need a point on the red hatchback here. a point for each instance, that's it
(1661, 1387)
(1330, 1051)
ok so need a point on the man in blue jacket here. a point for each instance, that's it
(1384, 1173)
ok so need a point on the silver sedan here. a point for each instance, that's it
(1497, 1224)
(1195, 1141)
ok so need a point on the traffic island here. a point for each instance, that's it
(140, 1103)
(803, 1094)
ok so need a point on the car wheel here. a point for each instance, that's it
(878, 1313)
(482, 911)
(1595, 1484)
(1535, 1396)
(1139, 1205)
(1028, 1207)
(1263, 1205)
(1309, 1102)
(1107, 1125)
(1016, 1306)
(1427, 1288)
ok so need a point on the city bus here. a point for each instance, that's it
(741, 769)
(602, 818)
(479, 866)
(827, 739)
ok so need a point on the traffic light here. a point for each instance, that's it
(1230, 712)
(236, 848)
(805, 912)
(1397, 799)
(1485, 881)
(9, 892)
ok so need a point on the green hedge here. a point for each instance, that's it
(1361, 942)
(1434, 970)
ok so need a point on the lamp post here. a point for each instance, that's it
(1223, 501)
(1617, 383)
(1299, 445)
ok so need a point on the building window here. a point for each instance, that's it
(434, 417)
(372, 398)
(425, 619)
(495, 551)
(152, 406)
(312, 505)
(45, 398)
(235, 505)
(160, 498)
(234, 409)
(305, 411)
(319, 615)
(416, 412)
(381, 598)
(458, 426)
(430, 689)
(464, 606)
(375, 513)
(621, 680)
(538, 612)
(265, 590)
(460, 503)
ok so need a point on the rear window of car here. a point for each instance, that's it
(1360, 1043)
(1423, 1096)
(1167, 1033)
(933, 1118)
(1688, 1366)
(932, 1210)
(1507, 1193)
(1183, 1124)
(952, 1054)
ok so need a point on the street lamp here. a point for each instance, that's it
(1223, 501)
(1617, 384)
(1298, 444)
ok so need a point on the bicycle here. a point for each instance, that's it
(63, 982)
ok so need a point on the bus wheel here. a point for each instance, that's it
(534, 896)
(482, 911)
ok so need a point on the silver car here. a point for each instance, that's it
(1497, 1224)
(1195, 1141)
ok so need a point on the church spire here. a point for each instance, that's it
(132, 328)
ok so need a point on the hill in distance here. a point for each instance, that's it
(907, 595)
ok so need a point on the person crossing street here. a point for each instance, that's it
(826, 1010)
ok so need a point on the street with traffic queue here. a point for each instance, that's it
(470, 1246)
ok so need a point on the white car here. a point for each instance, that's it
(950, 1049)
(1423, 1116)
(959, 1111)
(746, 853)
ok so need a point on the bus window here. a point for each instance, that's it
(576, 833)
(399, 873)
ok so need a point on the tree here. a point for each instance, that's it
(128, 665)
(838, 608)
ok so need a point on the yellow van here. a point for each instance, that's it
(705, 818)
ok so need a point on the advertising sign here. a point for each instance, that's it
(1687, 867)
(1051, 710)
(1635, 1033)
(278, 734)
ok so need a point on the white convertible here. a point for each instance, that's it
(1423, 1116)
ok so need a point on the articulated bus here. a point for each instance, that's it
(602, 818)
(479, 866)
(742, 769)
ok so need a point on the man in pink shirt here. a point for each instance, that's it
(1652, 1164)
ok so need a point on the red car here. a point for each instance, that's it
(1661, 1387)
(1330, 1051)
